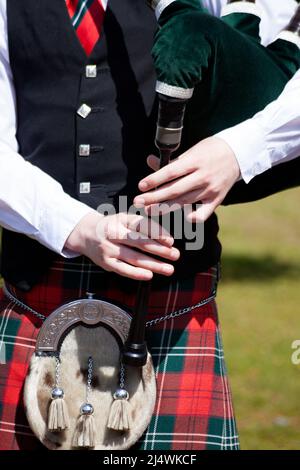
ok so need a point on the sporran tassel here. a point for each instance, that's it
(85, 431)
(58, 416)
(121, 411)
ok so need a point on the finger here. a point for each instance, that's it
(123, 235)
(175, 169)
(126, 270)
(143, 261)
(169, 191)
(143, 243)
(149, 228)
(129, 227)
(153, 162)
(203, 212)
(189, 198)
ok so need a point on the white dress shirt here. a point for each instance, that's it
(33, 203)
(273, 135)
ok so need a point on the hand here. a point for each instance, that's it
(120, 242)
(205, 173)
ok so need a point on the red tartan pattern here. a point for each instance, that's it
(194, 405)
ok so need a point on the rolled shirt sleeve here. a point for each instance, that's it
(271, 137)
(31, 202)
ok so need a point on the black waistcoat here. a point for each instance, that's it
(51, 80)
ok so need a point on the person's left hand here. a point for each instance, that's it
(205, 174)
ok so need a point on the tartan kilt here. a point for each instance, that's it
(194, 405)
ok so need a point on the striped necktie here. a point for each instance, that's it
(87, 18)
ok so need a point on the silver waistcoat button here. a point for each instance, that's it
(84, 150)
(91, 71)
(84, 111)
(85, 188)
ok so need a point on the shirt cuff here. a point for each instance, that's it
(161, 6)
(249, 144)
(57, 223)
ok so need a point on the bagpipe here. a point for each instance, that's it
(223, 75)
(211, 74)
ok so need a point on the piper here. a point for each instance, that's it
(85, 101)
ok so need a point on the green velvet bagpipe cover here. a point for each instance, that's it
(234, 77)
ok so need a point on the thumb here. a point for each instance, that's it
(153, 162)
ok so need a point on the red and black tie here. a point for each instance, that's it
(87, 18)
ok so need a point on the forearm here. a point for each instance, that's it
(33, 203)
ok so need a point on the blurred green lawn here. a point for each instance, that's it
(259, 299)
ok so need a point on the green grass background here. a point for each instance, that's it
(259, 299)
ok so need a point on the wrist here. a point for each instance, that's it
(85, 230)
(230, 158)
(248, 142)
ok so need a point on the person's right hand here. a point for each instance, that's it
(123, 243)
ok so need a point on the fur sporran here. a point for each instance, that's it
(77, 393)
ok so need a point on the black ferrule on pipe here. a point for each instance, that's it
(135, 348)
(170, 123)
(168, 138)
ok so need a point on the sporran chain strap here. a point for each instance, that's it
(57, 371)
(155, 321)
(18, 302)
(89, 379)
(122, 376)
